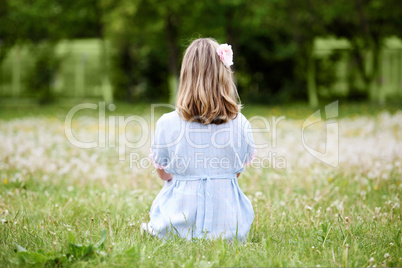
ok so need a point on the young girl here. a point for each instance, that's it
(200, 149)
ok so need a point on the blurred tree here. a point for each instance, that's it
(303, 21)
(36, 24)
(145, 35)
(366, 23)
(263, 53)
(138, 54)
(7, 35)
(41, 24)
(45, 66)
(272, 40)
(264, 49)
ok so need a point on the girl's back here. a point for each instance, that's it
(203, 146)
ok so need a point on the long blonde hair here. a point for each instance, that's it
(207, 93)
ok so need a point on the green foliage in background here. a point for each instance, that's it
(273, 41)
(42, 75)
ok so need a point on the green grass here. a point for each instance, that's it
(302, 219)
(284, 233)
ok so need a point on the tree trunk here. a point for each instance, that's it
(369, 74)
(16, 73)
(380, 89)
(173, 78)
(229, 31)
(311, 81)
(105, 85)
(372, 40)
(374, 78)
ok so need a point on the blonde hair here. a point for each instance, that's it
(207, 93)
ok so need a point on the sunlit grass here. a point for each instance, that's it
(63, 197)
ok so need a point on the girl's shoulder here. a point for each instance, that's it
(168, 118)
(241, 117)
(242, 121)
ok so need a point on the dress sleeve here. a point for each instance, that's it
(159, 154)
(249, 145)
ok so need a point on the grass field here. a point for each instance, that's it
(65, 206)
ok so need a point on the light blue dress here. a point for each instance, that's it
(203, 199)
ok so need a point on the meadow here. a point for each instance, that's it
(61, 205)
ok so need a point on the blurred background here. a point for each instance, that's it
(285, 51)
